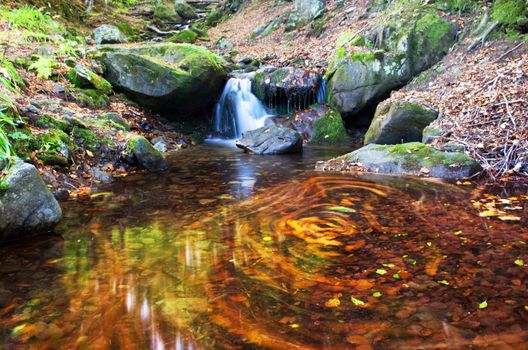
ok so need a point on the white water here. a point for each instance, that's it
(238, 110)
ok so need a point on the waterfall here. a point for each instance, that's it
(322, 93)
(238, 110)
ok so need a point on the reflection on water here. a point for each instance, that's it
(232, 251)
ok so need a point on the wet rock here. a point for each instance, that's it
(412, 158)
(61, 194)
(183, 79)
(398, 122)
(302, 122)
(386, 58)
(160, 144)
(271, 140)
(27, 206)
(144, 153)
(430, 133)
(108, 34)
(288, 88)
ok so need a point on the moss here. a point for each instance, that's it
(329, 129)
(213, 18)
(359, 56)
(509, 12)
(91, 98)
(165, 12)
(48, 121)
(434, 28)
(128, 30)
(278, 75)
(185, 36)
(99, 83)
(53, 159)
(86, 138)
(417, 154)
(344, 38)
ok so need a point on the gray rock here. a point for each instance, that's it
(180, 78)
(412, 158)
(27, 207)
(304, 11)
(271, 140)
(116, 118)
(144, 153)
(84, 77)
(397, 122)
(109, 34)
(430, 133)
(401, 50)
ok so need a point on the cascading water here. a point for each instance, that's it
(238, 110)
(322, 93)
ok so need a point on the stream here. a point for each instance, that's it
(228, 250)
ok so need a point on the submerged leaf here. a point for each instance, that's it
(357, 301)
(341, 209)
(519, 262)
(381, 272)
(483, 304)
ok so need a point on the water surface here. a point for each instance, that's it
(234, 251)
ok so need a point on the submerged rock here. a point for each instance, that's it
(397, 122)
(391, 55)
(179, 78)
(108, 34)
(145, 154)
(27, 206)
(271, 140)
(412, 158)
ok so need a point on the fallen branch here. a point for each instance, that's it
(161, 32)
(509, 51)
(481, 39)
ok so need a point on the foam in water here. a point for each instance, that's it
(238, 110)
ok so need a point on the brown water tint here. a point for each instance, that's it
(230, 251)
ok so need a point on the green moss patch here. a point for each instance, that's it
(330, 129)
(185, 36)
(510, 12)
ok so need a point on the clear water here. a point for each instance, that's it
(233, 251)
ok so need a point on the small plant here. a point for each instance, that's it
(44, 66)
(37, 23)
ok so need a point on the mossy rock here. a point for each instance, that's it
(429, 133)
(185, 36)
(330, 130)
(91, 98)
(117, 119)
(412, 158)
(184, 10)
(165, 10)
(397, 122)
(390, 56)
(83, 77)
(145, 154)
(183, 79)
(47, 121)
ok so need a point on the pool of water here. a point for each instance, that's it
(234, 251)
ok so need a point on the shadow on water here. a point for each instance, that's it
(233, 251)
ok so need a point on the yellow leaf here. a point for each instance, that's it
(509, 218)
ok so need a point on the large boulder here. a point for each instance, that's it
(271, 140)
(304, 11)
(145, 154)
(412, 158)
(108, 34)
(180, 78)
(384, 59)
(27, 206)
(397, 122)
